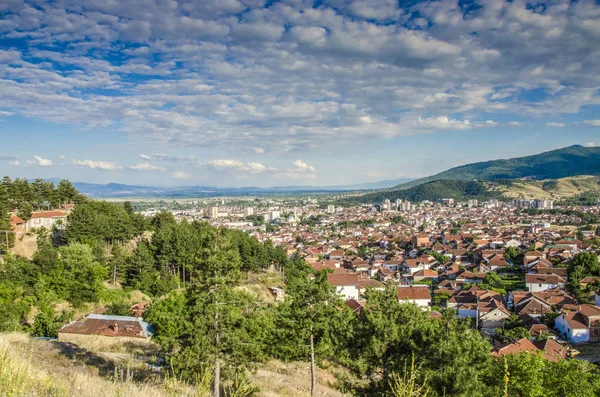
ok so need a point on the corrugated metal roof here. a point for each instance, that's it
(98, 324)
(111, 317)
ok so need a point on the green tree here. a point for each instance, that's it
(215, 330)
(454, 358)
(307, 318)
(45, 323)
(77, 276)
(46, 255)
(66, 192)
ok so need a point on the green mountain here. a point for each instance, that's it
(570, 161)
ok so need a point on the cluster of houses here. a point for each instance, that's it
(431, 266)
(437, 256)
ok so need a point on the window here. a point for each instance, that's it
(539, 285)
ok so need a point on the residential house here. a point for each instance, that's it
(581, 325)
(425, 274)
(352, 285)
(551, 349)
(17, 225)
(417, 294)
(46, 219)
(543, 282)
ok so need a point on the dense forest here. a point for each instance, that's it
(207, 326)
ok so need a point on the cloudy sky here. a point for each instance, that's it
(290, 92)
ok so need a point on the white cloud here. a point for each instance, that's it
(553, 124)
(591, 144)
(595, 123)
(40, 161)
(37, 161)
(5, 113)
(289, 77)
(146, 167)
(300, 170)
(444, 122)
(228, 165)
(182, 175)
(172, 158)
(98, 165)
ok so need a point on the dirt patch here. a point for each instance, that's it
(293, 380)
(25, 246)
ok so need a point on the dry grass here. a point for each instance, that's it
(553, 189)
(258, 284)
(31, 367)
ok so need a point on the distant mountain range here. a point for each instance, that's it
(117, 190)
(467, 181)
(569, 161)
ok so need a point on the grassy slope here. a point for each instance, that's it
(462, 190)
(38, 368)
(553, 189)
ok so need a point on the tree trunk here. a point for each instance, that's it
(313, 372)
(217, 384)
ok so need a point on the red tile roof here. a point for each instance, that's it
(413, 292)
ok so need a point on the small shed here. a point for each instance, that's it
(99, 325)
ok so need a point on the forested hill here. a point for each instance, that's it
(570, 161)
(432, 191)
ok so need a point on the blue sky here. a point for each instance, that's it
(290, 92)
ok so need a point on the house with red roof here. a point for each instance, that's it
(417, 294)
(581, 325)
(45, 219)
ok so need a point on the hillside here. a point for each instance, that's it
(554, 189)
(48, 368)
(432, 191)
(566, 162)
(550, 188)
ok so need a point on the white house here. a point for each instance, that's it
(570, 326)
(580, 326)
(46, 219)
(543, 282)
(345, 284)
(417, 294)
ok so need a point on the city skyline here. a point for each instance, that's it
(251, 93)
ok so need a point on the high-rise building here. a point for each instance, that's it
(544, 204)
(405, 206)
(274, 215)
(213, 212)
(387, 205)
(248, 211)
(331, 209)
(472, 203)
(398, 204)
